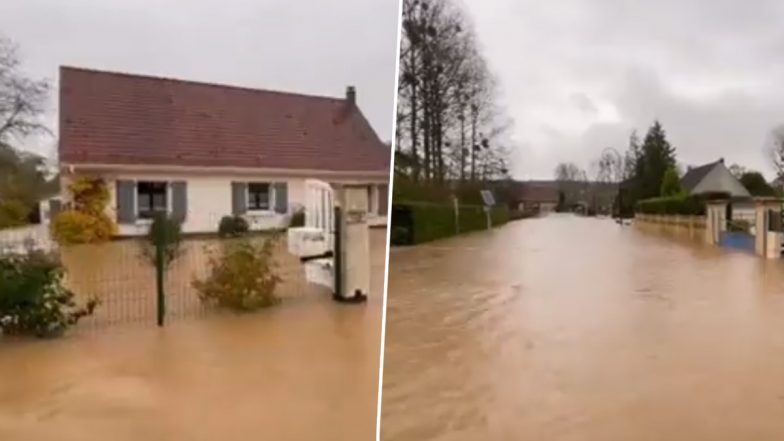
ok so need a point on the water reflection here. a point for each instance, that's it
(305, 370)
(567, 328)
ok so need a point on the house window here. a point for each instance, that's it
(259, 196)
(151, 199)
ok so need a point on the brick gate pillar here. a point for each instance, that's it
(716, 220)
(767, 243)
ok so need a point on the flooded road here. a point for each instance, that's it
(307, 369)
(568, 329)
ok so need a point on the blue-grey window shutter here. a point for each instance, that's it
(238, 198)
(383, 199)
(179, 200)
(126, 212)
(282, 197)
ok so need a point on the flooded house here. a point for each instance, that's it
(715, 179)
(200, 151)
(540, 198)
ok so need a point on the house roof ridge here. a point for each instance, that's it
(199, 83)
(694, 175)
(127, 118)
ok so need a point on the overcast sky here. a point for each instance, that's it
(314, 47)
(579, 75)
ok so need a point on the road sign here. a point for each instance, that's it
(487, 197)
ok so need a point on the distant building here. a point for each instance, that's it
(714, 178)
(538, 198)
(543, 196)
(198, 152)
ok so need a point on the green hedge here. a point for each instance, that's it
(681, 204)
(406, 190)
(418, 222)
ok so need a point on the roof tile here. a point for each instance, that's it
(115, 118)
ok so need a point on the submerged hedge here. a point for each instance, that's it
(418, 222)
(681, 204)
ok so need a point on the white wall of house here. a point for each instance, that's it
(209, 198)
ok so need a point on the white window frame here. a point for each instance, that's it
(144, 221)
(271, 208)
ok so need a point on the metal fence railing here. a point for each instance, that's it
(122, 276)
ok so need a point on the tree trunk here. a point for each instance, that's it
(462, 143)
(473, 144)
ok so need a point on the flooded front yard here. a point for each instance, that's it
(576, 329)
(121, 275)
(307, 369)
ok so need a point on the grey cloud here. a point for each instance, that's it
(583, 103)
(710, 71)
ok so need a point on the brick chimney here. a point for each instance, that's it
(351, 95)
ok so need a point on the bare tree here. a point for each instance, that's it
(776, 151)
(631, 162)
(446, 97)
(22, 100)
(567, 172)
(737, 170)
(610, 166)
(572, 182)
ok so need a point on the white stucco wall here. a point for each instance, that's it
(209, 198)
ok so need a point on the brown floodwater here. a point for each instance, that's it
(304, 370)
(567, 329)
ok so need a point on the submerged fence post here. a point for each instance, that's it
(159, 236)
(338, 252)
(456, 205)
(159, 270)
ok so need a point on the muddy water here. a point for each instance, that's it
(121, 276)
(307, 369)
(567, 328)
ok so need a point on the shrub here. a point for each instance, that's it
(414, 222)
(243, 277)
(407, 190)
(680, 204)
(13, 213)
(400, 235)
(86, 221)
(33, 300)
(756, 184)
(90, 195)
(168, 233)
(232, 226)
(298, 218)
(472, 217)
(72, 227)
(671, 184)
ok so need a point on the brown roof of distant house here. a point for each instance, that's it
(115, 118)
(537, 193)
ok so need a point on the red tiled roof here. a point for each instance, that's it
(113, 118)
